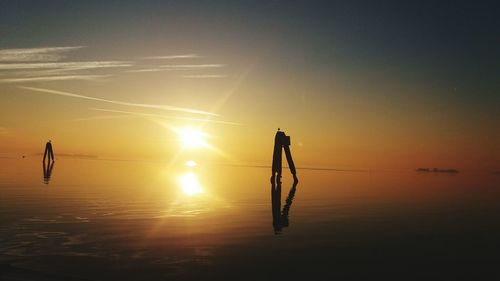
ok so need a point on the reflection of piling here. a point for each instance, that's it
(47, 170)
(280, 216)
(288, 204)
(282, 141)
(276, 206)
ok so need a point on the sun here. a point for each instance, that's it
(191, 137)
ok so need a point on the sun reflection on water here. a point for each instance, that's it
(189, 184)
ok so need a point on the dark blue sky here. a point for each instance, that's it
(452, 40)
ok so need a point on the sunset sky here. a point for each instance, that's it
(358, 84)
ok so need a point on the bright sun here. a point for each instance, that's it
(191, 138)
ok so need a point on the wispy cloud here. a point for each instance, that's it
(36, 54)
(190, 66)
(65, 65)
(56, 71)
(182, 67)
(147, 70)
(46, 64)
(53, 78)
(153, 106)
(166, 116)
(205, 76)
(45, 72)
(171, 57)
(101, 117)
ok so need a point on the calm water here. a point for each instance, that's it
(104, 220)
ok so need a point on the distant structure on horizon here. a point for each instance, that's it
(436, 170)
(282, 141)
(48, 152)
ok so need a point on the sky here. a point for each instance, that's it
(358, 84)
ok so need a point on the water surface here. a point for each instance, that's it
(101, 220)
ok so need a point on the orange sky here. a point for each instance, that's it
(351, 94)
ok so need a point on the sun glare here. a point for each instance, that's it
(191, 138)
(189, 184)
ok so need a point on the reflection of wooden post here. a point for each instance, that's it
(276, 206)
(47, 170)
(280, 217)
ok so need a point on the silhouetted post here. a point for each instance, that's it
(289, 159)
(277, 155)
(282, 141)
(48, 151)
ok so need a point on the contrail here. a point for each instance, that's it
(162, 107)
(74, 64)
(53, 78)
(183, 56)
(166, 116)
(190, 66)
(205, 76)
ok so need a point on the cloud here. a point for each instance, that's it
(65, 65)
(45, 72)
(55, 71)
(101, 117)
(36, 54)
(153, 106)
(171, 57)
(180, 67)
(166, 116)
(53, 78)
(205, 76)
(190, 66)
(147, 70)
(43, 64)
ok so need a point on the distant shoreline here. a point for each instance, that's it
(437, 170)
